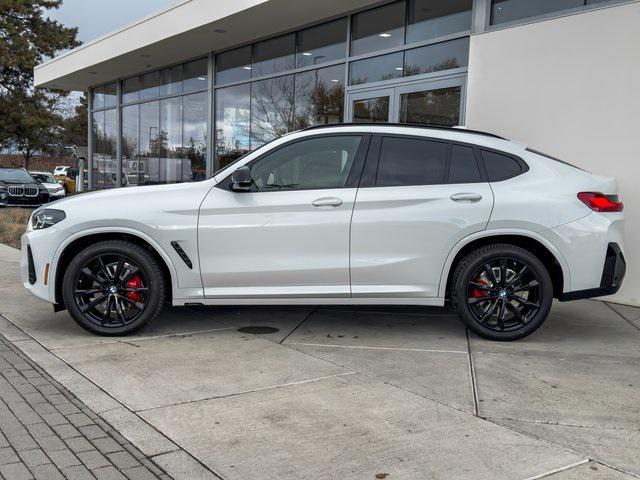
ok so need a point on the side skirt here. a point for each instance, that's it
(430, 302)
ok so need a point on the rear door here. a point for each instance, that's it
(418, 197)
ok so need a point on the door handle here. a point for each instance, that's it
(466, 197)
(327, 202)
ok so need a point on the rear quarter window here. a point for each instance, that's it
(500, 167)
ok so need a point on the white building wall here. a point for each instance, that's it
(569, 87)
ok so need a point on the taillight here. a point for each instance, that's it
(599, 202)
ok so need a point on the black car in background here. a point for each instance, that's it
(19, 189)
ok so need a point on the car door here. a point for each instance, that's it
(418, 198)
(289, 235)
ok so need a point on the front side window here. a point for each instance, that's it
(317, 163)
(409, 161)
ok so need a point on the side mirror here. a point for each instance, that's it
(241, 180)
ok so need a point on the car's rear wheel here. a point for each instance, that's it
(502, 292)
(113, 288)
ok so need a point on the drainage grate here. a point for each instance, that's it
(258, 330)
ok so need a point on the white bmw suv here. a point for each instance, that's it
(348, 214)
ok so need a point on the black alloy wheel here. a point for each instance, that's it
(113, 288)
(502, 292)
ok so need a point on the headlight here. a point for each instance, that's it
(46, 218)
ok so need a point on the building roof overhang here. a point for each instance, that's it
(186, 30)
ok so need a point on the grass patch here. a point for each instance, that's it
(13, 222)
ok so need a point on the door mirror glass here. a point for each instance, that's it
(241, 179)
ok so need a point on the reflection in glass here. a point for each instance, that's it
(132, 174)
(195, 76)
(319, 97)
(131, 90)
(378, 29)
(149, 146)
(322, 43)
(376, 69)
(274, 55)
(371, 110)
(172, 167)
(272, 109)
(150, 85)
(194, 134)
(432, 107)
(437, 57)
(429, 19)
(503, 11)
(232, 123)
(105, 96)
(104, 149)
(171, 80)
(234, 65)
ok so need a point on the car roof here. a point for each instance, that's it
(407, 125)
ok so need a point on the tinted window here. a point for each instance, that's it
(323, 43)
(463, 167)
(274, 55)
(384, 67)
(323, 162)
(438, 57)
(195, 76)
(378, 29)
(429, 19)
(500, 167)
(503, 11)
(234, 65)
(405, 161)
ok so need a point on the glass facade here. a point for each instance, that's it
(254, 93)
(506, 11)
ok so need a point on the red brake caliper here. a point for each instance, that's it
(134, 282)
(478, 293)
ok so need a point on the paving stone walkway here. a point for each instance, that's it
(47, 434)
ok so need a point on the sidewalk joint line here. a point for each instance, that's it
(307, 317)
(472, 372)
(559, 469)
(362, 347)
(253, 390)
(622, 316)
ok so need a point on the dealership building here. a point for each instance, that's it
(185, 91)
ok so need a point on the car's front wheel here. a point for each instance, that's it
(114, 287)
(502, 292)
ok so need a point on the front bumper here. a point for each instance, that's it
(37, 261)
(613, 273)
(24, 201)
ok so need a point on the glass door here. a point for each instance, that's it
(437, 102)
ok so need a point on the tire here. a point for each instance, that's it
(502, 306)
(139, 293)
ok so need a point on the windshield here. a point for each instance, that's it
(15, 175)
(44, 177)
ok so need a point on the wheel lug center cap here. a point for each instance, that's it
(113, 289)
(503, 294)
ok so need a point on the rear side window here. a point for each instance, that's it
(500, 167)
(463, 168)
(407, 161)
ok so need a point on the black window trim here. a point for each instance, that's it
(353, 179)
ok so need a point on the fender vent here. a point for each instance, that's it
(183, 255)
(31, 266)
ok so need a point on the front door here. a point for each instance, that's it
(435, 102)
(289, 235)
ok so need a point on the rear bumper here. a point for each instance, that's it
(613, 273)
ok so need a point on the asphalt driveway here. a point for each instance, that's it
(366, 392)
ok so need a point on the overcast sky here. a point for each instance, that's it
(97, 17)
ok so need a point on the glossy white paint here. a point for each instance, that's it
(391, 245)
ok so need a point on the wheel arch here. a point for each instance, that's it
(76, 243)
(535, 243)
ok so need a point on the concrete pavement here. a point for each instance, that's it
(358, 392)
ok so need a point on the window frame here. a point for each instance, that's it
(353, 179)
(372, 163)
